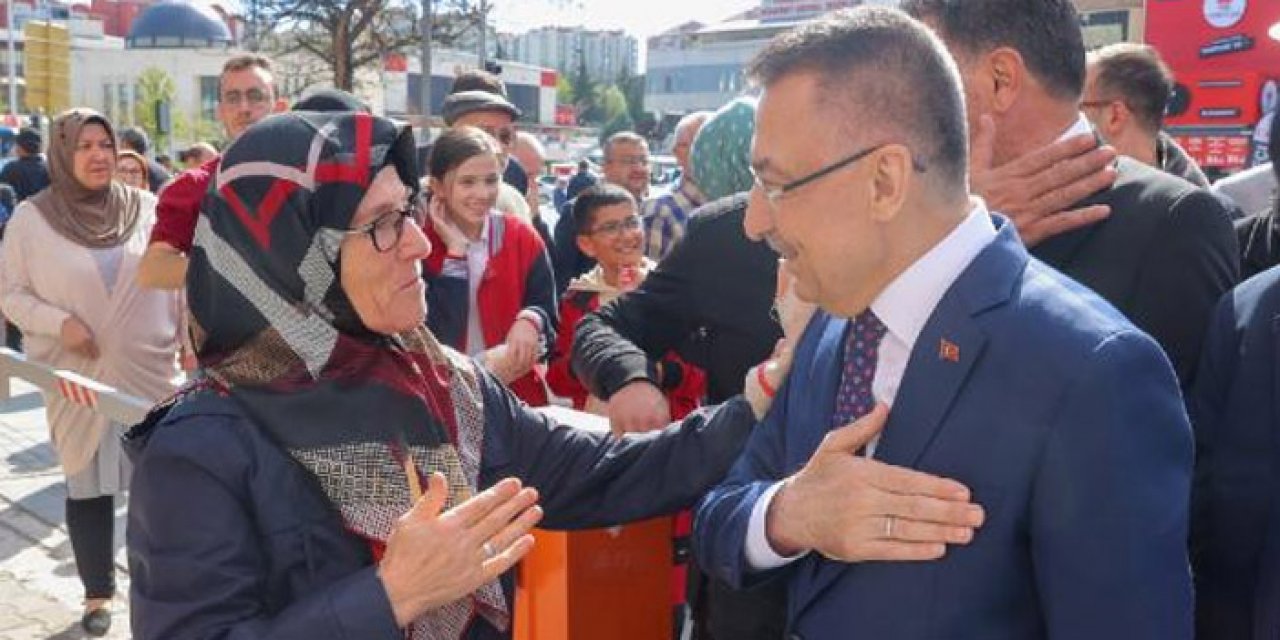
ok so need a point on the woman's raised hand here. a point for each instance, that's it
(434, 558)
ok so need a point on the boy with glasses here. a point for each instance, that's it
(609, 230)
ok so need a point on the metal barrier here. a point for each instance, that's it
(116, 405)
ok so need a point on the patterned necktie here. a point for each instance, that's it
(861, 350)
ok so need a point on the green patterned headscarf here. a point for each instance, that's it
(721, 154)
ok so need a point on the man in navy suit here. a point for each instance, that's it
(1019, 460)
(1235, 409)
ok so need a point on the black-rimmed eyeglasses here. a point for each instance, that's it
(775, 194)
(385, 232)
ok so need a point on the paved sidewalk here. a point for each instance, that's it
(40, 594)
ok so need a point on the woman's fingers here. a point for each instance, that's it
(502, 561)
(513, 531)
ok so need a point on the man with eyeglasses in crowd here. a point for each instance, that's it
(626, 164)
(246, 94)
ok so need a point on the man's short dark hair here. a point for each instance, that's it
(248, 61)
(135, 139)
(30, 140)
(478, 80)
(592, 200)
(1046, 33)
(621, 137)
(887, 75)
(1135, 75)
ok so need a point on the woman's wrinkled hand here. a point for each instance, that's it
(435, 558)
(77, 338)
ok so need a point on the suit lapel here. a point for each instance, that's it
(812, 416)
(941, 361)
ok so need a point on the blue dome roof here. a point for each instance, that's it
(174, 24)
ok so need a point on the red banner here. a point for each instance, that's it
(1225, 64)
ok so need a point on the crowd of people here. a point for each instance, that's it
(938, 334)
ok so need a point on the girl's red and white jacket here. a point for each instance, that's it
(516, 279)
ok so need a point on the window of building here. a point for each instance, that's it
(209, 98)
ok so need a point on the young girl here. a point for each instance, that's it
(490, 293)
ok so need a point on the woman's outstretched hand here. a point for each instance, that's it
(434, 557)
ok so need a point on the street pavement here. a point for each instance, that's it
(40, 594)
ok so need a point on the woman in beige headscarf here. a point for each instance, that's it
(67, 279)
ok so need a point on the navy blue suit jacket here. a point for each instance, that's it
(1235, 408)
(1063, 419)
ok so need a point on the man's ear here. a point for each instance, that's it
(1116, 118)
(891, 178)
(1007, 74)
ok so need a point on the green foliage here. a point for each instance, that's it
(612, 103)
(564, 90)
(154, 86)
(622, 122)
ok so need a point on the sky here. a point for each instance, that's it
(640, 18)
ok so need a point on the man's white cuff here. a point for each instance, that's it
(760, 554)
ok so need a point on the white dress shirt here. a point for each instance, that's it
(478, 252)
(1082, 125)
(904, 307)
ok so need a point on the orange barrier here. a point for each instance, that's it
(610, 583)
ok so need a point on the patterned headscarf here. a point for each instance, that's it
(721, 154)
(275, 330)
(94, 218)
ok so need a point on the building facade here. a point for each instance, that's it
(607, 54)
(694, 66)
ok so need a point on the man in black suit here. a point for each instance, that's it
(1166, 252)
(1235, 497)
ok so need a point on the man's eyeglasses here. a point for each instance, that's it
(385, 232)
(630, 161)
(775, 194)
(617, 227)
(133, 173)
(255, 97)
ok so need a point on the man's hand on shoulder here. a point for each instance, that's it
(1036, 190)
(638, 407)
(851, 508)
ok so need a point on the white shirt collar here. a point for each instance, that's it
(907, 303)
(1081, 125)
(483, 240)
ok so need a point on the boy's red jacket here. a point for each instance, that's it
(683, 383)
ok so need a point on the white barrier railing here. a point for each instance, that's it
(116, 405)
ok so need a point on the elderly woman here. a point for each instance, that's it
(490, 292)
(83, 312)
(341, 474)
